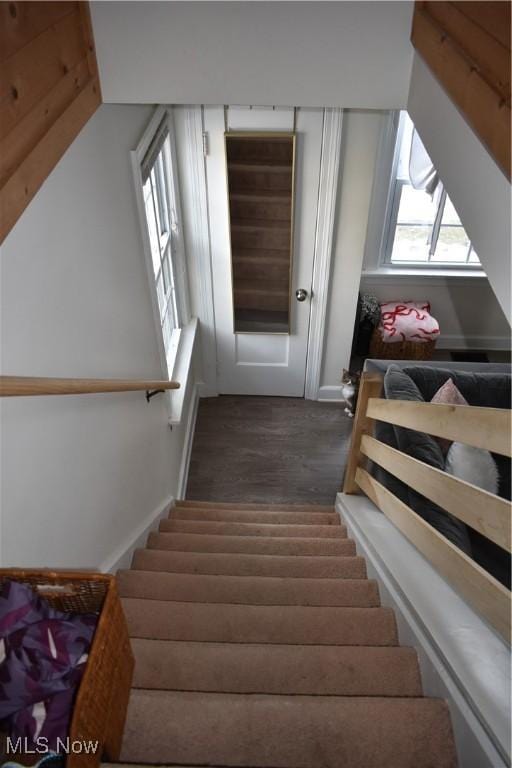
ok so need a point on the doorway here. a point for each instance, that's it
(255, 362)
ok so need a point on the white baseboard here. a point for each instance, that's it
(461, 659)
(456, 341)
(121, 557)
(330, 394)
(205, 390)
(187, 443)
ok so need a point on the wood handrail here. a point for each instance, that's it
(23, 386)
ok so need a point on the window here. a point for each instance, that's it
(158, 198)
(423, 227)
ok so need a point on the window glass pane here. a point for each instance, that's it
(417, 216)
(167, 330)
(167, 267)
(168, 283)
(411, 243)
(452, 245)
(157, 201)
(450, 215)
(150, 218)
(416, 207)
(173, 308)
(162, 194)
(160, 294)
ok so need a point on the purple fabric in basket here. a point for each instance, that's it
(42, 658)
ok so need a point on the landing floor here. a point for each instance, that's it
(268, 449)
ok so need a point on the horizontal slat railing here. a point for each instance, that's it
(487, 428)
(486, 513)
(490, 598)
(490, 515)
(24, 386)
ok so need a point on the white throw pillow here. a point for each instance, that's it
(474, 465)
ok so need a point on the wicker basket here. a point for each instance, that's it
(102, 699)
(402, 350)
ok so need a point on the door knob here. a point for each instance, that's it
(301, 294)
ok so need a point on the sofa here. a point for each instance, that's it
(482, 384)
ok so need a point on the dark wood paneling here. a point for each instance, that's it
(465, 47)
(49, 88)
(268, 449)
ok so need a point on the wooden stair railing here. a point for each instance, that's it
(23, 386)
(490, 515)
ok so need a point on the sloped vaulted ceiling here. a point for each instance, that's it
(49, 89)
(466, 45)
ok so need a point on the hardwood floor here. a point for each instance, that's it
(268, 449)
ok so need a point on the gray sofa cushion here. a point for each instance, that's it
(487, 390)
(399, 385)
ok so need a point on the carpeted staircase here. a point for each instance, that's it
(259, 641)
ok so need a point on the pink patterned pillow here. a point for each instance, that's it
(407, 321)
(448, 394)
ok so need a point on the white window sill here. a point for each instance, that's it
(181, 371)
(385, 272)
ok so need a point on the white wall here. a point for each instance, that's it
(360, 140)
(477, 187)
(345, 54)
(468, 311)
(80, 474)
(466, 308)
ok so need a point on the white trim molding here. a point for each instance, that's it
(188, 442)
(198, 249)
(330, 394)
(462, 660)
(183, 371)
(428, 277)
(484, 343)
(121, 557)
(327, 195)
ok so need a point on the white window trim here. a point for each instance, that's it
(179, 367)
(378, 236)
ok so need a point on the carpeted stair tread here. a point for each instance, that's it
(256, 590)
(189, 542)
(260, 643)
(251, 516)
(279, 669)
(331, 566)
(289, 624)
(251, 506)
(215, 527)
(288, 731)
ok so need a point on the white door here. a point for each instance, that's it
(263, 363)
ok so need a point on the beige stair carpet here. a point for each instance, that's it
(261, 643)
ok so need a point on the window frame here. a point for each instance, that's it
(384, 213)
(161, 121)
